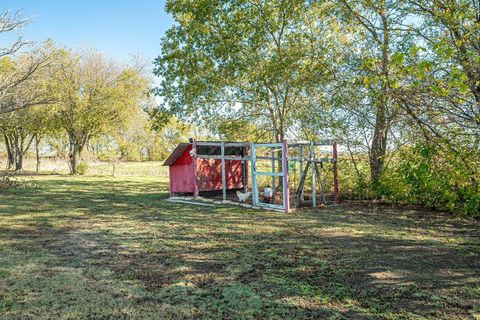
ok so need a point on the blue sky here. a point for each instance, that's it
(115, 27)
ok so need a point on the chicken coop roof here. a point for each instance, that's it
(179, 150)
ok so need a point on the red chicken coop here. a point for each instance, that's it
(197, 167)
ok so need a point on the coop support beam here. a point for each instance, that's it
(218, 144)
(244, 170)
(254, 176)
(286, 189)
(312, 159)
(273, 177)
(268, 145)
(235, 144)
(269, 174)
(302, 181)
(315, 143)
(224, 182)
(204, 156)
(317, 160)
(300, 156)
(319, 177)
(270, 158)
(194, 164)
(335, 174)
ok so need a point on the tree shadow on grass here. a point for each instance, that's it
(344, 263)
(174, 274)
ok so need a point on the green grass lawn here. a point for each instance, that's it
(102, 247)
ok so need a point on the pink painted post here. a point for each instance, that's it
(286, 188)
(194, 163)
(335, 174)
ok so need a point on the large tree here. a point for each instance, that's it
(95, 96)
(22, 126)
(15, 71)
(22, 129)
(244, 61)
(445, 95)
(380, 38)
(442, 96)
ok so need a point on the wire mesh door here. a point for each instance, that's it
(268, 177)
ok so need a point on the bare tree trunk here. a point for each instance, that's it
(18, 154)
(379, 141)
(10, 156)
(149, 154)
(74, 157)
(22, 143)
(379, 146)
(37, 153)
(19, 162)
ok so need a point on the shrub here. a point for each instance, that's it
(435, 176)
(354, 178)
(82, 168)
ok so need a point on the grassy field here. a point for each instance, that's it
(103, 247)
(60, 166)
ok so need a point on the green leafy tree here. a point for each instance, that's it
(453, 30)
(443, 98)
(244, 61)
(164, 141)
(380, 38)
(19, 62)
(95, 96)
(22, 129)
(22, 126)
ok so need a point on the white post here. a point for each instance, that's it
(286, 187)
(312, 160)
(195, 164)
(253, 163)
(273, 177)
(224, 183)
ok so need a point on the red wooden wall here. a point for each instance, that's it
(209, 174)
(181, 173)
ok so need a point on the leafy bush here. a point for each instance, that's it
(354, 178)
(434, 176)
(82, 168)
(427, 174)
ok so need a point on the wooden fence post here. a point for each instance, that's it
(335, 174)
(312, 161)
